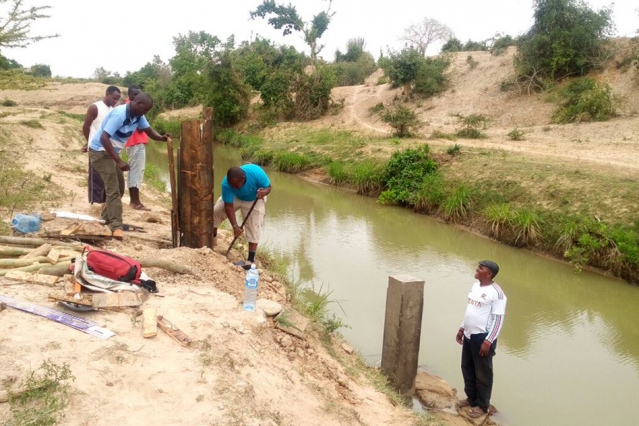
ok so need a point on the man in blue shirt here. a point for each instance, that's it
(104, 150)
(241, 187)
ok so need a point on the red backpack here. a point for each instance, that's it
(114, 266)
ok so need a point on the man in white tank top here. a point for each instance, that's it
(92, 122)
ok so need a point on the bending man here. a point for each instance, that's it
(104, 150)
(136, 150)
(92, 121)
(242, 187)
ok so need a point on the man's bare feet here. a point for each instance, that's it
(476, 412)
(140, 207)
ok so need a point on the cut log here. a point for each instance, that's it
(167, 265)
(159, 241)
(117, 300)
(31, 278)
(149, 317)
(13, 251)
(85, 298)
(53, 256)
(174, 332)
(58, 269)
(24, 241)
(17, 263)
(43, 250)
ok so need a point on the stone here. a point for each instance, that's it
(269, 307)
(310, 351)
(431, 383)
(151, 217)
(286, 341)
(343, 381)
(301, 353)
(348, 349)
(292, 322)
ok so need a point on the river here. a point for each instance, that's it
(569, 350)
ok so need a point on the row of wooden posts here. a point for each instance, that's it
(192, 226)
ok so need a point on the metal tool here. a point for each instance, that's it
(242, 225)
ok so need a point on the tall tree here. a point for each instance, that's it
(425, 33)
(287, 18)
(15, 26)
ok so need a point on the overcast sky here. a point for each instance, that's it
(123, 35)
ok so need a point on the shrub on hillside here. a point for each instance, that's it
(471, 126)
(403, 120)
(414, 72)
(566, 39)
(585, 100)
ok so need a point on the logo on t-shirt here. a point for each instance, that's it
(474, 302)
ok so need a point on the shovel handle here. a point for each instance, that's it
(242, 225)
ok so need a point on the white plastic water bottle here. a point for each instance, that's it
(250, 289)
(26, 224)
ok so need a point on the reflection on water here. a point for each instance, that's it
(569, 350)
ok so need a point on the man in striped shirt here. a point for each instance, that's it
(478, 333)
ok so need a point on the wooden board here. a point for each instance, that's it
(43, 250)
(32, 278)
(53, 256)
(149, 321)
(69, 285)
(85, 300)
(174, 332)
(116, 300)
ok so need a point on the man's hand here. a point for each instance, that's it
(237, 230)
(85, 148)
(123, 166)
(166, 137)
(485, 348)
(261, 193)
(460, 336)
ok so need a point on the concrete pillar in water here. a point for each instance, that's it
(402, 330)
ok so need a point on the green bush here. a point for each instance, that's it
(431, 194)
(402, 119)
(337, 172)
(409, 68)
(174, 127)
(515, 135)
(9, 103)
(404, 174)
(567, 39)
(585, 100)
(454, 150)
(456, 206)
(471, 125)
(367, 176)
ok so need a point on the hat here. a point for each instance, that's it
(494, 268)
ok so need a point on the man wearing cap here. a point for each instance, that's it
(478, 333)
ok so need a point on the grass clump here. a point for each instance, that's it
(471, 126)
(32, 124)
(153, 177)
(515, 135)
(44, 397)
(9, 103)
(291, 162)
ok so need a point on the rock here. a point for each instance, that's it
(343, 381)
(348, 349)
(292, 322)
(267, 278)
(151, 217)
(286, 342)
(431, 383)
(292, 356)
(269, 307)
(310, 351)
(301, 353)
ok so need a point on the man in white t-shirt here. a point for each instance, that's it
(478, 333)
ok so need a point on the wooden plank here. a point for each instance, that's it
(53, 256)
(205, 175)
(116, 300)
(43, 250)
(150, 322)
(71, 229)
(402, 331)
(31, 278)
(174, 332)
(187, 189)
(84, 299)
(175, 220)
(69, 285)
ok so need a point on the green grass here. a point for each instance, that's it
(77, 117)
(153, 178)
(44, 397)
(33, 124)
(456, 206)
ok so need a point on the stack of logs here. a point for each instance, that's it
(22, 257)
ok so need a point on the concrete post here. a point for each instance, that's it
(402, 330)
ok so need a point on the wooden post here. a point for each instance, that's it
(195, 186)
(175, 221)
(402, 330)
